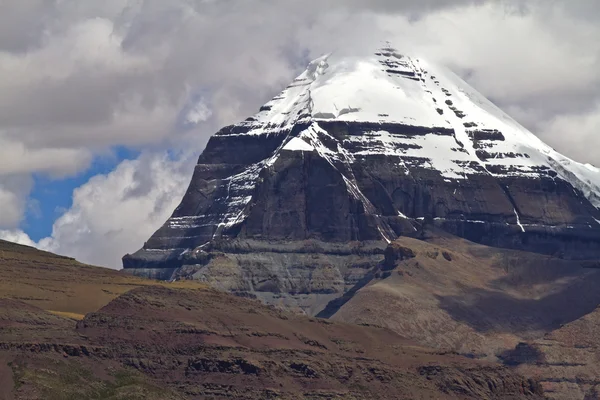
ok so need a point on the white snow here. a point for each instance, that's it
(383, 235)
(519, 220)
(473, 221)
(297, 144)
(584, 177)
(359, 89)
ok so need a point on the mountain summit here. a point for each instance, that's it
(358, 151)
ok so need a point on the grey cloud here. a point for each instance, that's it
(13, 189)
(408, 6)
(15, 16)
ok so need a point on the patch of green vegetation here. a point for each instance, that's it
(62, 380)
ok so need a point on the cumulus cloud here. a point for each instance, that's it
(17, 236)
(115, 213)
(14, 189)
(112, 214)
(77, 78)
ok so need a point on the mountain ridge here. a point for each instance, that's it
(367, 149)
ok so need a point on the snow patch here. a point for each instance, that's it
(297, 144)
(519, 220)
(585, 178)
(472, 221)
(384, 236)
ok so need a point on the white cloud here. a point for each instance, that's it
(17, 158)
(14, 190)
(200, 112)
(17, 236)
(115, 213)
(12, 208)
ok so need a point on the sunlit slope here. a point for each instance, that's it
(61, 284)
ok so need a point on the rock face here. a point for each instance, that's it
(302, 198)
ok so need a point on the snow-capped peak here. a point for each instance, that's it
(388, 87)
(386, 141)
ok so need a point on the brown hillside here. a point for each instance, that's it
(154, 342)
(61, 284)
(566, 361)
(204, 344)
(532, 312)
(477, 300)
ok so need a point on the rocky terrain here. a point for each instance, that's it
(363, 149)
(158, 342)
(489, 297)
(439, 317)
(566, 361)
(534, 313)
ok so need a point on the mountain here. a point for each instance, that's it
(297, 204)
(142, 339)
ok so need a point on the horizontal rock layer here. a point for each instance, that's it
(366, 150)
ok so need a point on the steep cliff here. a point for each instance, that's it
(302, 198)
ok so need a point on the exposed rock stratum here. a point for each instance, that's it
(297, 204)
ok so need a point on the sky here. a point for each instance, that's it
(106, 105)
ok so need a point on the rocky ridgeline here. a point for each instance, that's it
(297, 204)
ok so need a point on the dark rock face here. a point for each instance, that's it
(395, 253)
(274, 186)
(302, 196)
